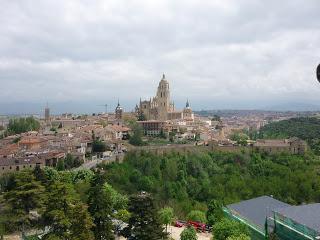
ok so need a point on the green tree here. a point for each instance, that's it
(123, 215)
(229, 228)
(166, 216)
(214, 212)
(196, 215)
(66, 216)
(39, 174)
(100, 207)
(240, 138)
(144, 223)
(188, 234)
(26, 195)
(118, 201)
(136, 138)
(141, 116)
(81, 223)
(162, 134)
(71, 162)
(21, 125)
(239, 237)
(98, 146)
(60, 165)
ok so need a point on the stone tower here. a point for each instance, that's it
(118, 112)
(163, 99)
(187, 111)
(47, 113)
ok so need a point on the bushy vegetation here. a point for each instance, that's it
(188, 186)
(231, 230)
(136, 138)
(189, 182)
(74, 205)
(306, 128)
(188, 234)
(21, 125)
(68, 162)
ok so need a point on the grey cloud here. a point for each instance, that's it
(96, 51)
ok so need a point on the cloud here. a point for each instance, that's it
(234, 51)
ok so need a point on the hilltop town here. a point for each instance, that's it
(160, 123)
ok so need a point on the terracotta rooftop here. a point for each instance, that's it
(29, 140)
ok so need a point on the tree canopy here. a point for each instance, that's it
(21, 125)
(136, 138)
(188, 234)
(190, 181)
(230, 229)
(144, 223)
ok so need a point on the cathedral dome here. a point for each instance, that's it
(118, 107)
(163, 79)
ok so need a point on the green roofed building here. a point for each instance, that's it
(264, 215)
(254, 213)
(297, 222)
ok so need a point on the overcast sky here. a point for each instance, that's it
(218, 53)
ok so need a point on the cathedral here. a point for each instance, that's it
(160, 107)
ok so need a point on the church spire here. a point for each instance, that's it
(187, 103)
(163, 76)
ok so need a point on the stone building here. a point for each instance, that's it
(160, 107)
(187, 112)
(118, 113)
(292, 145)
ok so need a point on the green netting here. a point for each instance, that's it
(287, 229)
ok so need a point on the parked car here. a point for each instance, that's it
(179, 224)
(198, 226)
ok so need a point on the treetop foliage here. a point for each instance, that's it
(190, 181)
(21, 125)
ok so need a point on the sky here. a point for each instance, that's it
(78, 55)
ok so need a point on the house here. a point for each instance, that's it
(17, 164)
(292, 145)
(152, 127)
(51, 158)
(120, 132)
(32, 143)
(9, 150)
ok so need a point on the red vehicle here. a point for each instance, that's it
(179, 224)
(198, 226)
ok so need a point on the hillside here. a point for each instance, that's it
(189, 182)
(306, 128)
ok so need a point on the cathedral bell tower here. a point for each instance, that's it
(163, 98)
